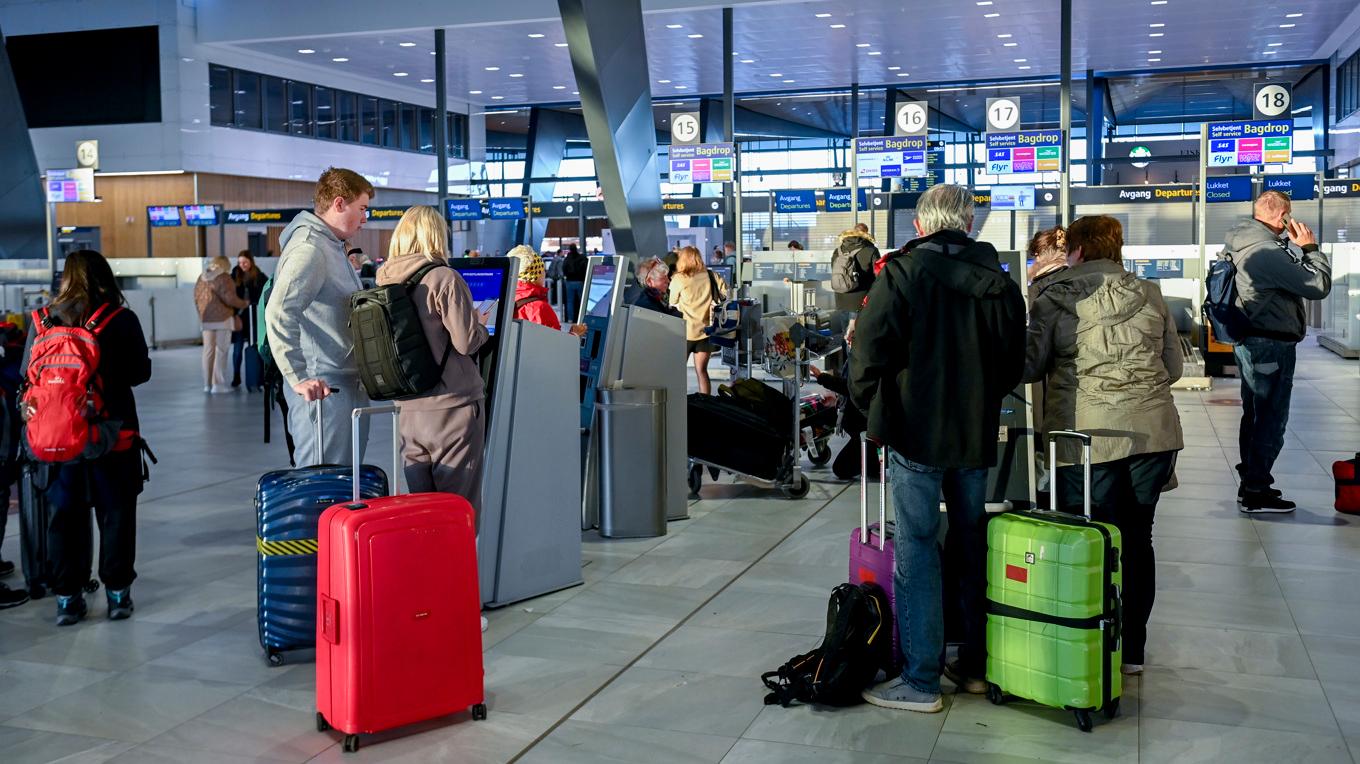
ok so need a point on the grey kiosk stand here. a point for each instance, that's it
(529, 543)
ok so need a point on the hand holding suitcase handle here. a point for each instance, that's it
(356, 417)
(1085, 439)
(864, 491)
(320, 433)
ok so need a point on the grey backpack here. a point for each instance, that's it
(846, 274)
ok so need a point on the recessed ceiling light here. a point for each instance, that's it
(838, 26)
(1159, 2)
(682, 87)
(675, 26)
(695, 36)
(407, 44)
(903, 74)
(1154, 52)
(559, 87)
(535, 35)
(1009, 44)
(1274, 44)
(893, 68)
(433, 53)
(664, 82)
(498, 98)
(427, 81)
(400, 74)
(1287, 26)
(305, 50)
(1004, 36)
(1156, 34)
(789, 82)
(990, 15)
(340, 59)
(1293, 15)
(1156, 26)
(984, 2)
(576, 92)
(1154, 60)
(875, 52)
(474, 92)
(823, 15)
(559, 45)
(1021, 60)
(1269, 52)
(776, 74)
(493, 68)
(863, 45)
(748, 60)
(1024, 67)
(517, 76)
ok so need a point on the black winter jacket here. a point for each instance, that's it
(124, 363)
(939, 345)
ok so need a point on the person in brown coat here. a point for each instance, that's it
(217, 303)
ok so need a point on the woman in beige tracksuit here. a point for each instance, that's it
(217, 303)
(442, 431)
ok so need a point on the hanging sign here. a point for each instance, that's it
(795, 201)
(702, 163)
(1232, 189)
(1297, 187)
(70, 185)
(1272, 100)
(1025, 151)
(685, 127)
(463, 209)
(1003, 114)
(511, 208)
(1238, 144)
(890, 157)
(912, 117)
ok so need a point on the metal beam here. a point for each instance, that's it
(545, 147)
(24, 232)
(729, 222)
(441, 120)
(1097, 92)
(608, 54)
(1065, 115)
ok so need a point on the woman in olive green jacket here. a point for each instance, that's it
(1106, 347)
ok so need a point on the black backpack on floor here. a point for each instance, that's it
(390, 347)
(857, 644)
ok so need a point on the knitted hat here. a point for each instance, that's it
(530, 266)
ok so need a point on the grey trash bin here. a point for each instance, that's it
(632, 430)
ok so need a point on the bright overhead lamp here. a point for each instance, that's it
(776, 75)
(903, 74)
(493, 68)
(894, 68)
(663, 82)
(1156, 26)
(474, 92)
(1004, 36)
(516, 76)
(789, 82)
(1156, 34)
(427, 80)
(305, 51)
(1293, 15)
(1269, 52)
(682, 87)
(1024, 67)
(875, 52)
(535, 35)
(675, 26)
(401, 74)
(823, 15)
(559, 45)
(1009, 44)
(498, 98)
(990, 15)
(838, 26)
(984, 2)
(695, 36)
(407, 44)
(340, 59)
(559, 87)
(576, 92)
(1154, 52)
(1154, 60)
(1159, 2)
(1021, 60)
(1287, 26)
(1274, 44)
(863, 45)
(748, 60)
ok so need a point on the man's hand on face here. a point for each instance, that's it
(1300, 233)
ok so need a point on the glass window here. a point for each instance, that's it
(409, 127)
(347, 116)
(246, 100)
(457, 127)
(219, 95)
(299, 108)
(391, 123)
(325, 112)
(426, 143)
(369, 129)
(275, 105)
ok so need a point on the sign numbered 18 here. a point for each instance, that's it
(1272, 100)
(1003, 114)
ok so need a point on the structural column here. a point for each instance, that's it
(1065, 115)
(23, 210)
(1097, 88)
(544, 149)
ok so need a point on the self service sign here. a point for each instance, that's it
(1236, 144)
(702, 162)
(891, 157)
(1025, 151)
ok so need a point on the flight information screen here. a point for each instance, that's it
(599, 298)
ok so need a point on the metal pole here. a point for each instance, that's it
(1065, 116)
(853, 176)
(771, 193)
(729, 130)
(1202, 202)
(148, 236)
(441, 122)
(528, 222)
(51, 245)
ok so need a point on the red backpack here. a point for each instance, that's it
(62, 399)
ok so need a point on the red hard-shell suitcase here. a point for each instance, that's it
(872, 557)
(1347, 478)
(399, 635)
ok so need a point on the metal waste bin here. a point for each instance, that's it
(632, 431)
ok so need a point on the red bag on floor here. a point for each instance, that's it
(1347, 485)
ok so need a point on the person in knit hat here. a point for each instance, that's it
(531, 294)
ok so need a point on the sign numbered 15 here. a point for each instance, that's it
(1271, 100)
(1003, 114)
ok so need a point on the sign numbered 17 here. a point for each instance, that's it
(1003, 114)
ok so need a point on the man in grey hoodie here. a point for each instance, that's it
(1272, 283)
(307, 318)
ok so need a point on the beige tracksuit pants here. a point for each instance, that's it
(442, 450)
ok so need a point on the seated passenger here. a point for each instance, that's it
(653, 279)
(531, 293)
(1105, 344)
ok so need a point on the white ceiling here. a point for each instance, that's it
(790, 47)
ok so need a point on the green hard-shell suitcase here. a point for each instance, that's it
(1053, 605)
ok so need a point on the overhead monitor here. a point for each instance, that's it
(200, 214)
(1012, 197)
(488, 288)
(163, 216)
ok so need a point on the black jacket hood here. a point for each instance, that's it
(961, 264)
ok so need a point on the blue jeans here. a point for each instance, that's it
(916, 578)
(1266, 367)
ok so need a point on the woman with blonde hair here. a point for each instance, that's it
(442, 431)
(217, 302)
(694, 289)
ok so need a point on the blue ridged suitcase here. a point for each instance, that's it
(288, 505)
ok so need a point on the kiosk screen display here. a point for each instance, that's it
(200, 214)
(487, 285)
(599, 299)
(163, 216)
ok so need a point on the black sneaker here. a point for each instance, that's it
(120, 603)
(70, 610)
(12, 597)
(1264, 502)
(969, 684)
(1268, 491)
(6, 567)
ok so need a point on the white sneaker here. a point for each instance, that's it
(220, 390)
(207, 389)
(1131, 669)
(484, 624)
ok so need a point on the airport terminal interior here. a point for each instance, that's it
(645, 553)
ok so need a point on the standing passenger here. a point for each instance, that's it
(693, 290)
(249, 281)
(307, 318)
(217, 303)
(574, 266)
(531, 295)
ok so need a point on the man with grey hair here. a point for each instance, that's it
(1272, 284)
(653, 279)
(938, 346)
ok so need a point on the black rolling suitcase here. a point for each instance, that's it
(34, 519)
(726, 434)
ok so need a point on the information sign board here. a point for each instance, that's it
(511, 208)
(1238, 144)
(890, 157)
(702, 163)
(1025, 151)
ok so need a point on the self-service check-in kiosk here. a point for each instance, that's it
(628, 346)
(529, 543)
(1011, 483)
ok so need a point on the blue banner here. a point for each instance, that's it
(463, 209)
(838, 200)
(795, 201)
(506, 209)
(1232, 189)
(1261, 129)
(1298, 187)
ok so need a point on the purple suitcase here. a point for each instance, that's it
(871, 553)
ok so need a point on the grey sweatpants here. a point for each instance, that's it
(442, 449)
(335, 424)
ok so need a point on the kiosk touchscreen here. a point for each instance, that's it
(492, 283)
(602, 284)
(602, 293)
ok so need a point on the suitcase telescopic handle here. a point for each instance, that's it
(1085, 439)
(320, 430)
(356, 417)
(864, 492)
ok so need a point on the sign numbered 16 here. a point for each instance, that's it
(912, 117)
(1272, 100)
(1003, 114)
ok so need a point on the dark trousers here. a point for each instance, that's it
(1124, 493)
(1267, 370)
(110, 485)
(238, 351)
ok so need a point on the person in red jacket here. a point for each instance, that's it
(531, 294)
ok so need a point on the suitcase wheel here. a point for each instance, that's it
(1083, 719)
(819, 454)
(995, 694)
(274, 658)
(479, 712)
(1111, 709)
(351, 743)
(321, 724)
(798, 489)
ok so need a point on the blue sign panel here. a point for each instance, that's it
(1025, 151)
(1237, 144)
(463, 209)
(1234, 189)
(795, 201)
(1298, 187)
(838, 200)
(506, 209)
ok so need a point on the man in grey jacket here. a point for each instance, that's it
(307, 319)
(1272, 283)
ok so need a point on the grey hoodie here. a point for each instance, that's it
(308, 313)
(1272, 281)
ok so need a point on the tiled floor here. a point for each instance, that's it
(1254, 653)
